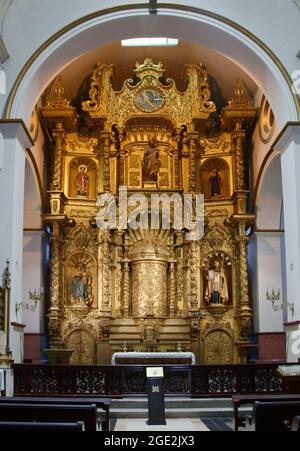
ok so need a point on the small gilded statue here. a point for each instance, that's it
(217, 287)
(81, 288)
(151, 163)
(215, 181)
(82, 181)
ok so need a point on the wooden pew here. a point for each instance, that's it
(41, 427)
(101, 403)
(274, 416)
(239, 400)
(296, 424)
(56, 413)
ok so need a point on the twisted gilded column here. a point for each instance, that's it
(172, 288)
(56, 181)
(55, 287)
(193, 276)
(245, 312)
(106, 161)
(192, 164)
(106, 294)
(126, 288)
(239, 137)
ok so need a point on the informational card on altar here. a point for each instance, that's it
(155, 372)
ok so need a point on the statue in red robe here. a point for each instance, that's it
(82, 181)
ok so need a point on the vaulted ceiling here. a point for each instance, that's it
(224, 71)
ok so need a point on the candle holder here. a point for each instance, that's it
(36, 295)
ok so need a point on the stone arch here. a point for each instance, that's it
(106, 26)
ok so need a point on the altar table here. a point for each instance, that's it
(150, 358)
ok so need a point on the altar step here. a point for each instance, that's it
(175, 408)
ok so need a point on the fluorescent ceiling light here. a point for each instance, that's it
(149, 42)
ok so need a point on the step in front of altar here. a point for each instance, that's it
(175, 408)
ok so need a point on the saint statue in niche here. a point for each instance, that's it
(82, 181)
(215, 181)
(217, 286)
(81, 288)
(151, 162)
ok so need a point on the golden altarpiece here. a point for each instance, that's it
(148, 290)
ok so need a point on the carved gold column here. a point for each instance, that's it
(106, 136)
(56, 189)
(193, 276)
(126, 288)
(177, 159)
(244, 316)
(105, 266)
(192, 163)
(118, 271)
(55, 287)
(185, 154)
(121, 165)
(179, 239)
(58, 135)
(172, 288)
(239, 137)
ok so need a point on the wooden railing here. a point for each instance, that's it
(119, 381)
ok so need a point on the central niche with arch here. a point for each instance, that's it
(82, 178)
(215, 179)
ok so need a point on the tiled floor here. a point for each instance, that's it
(173, 424)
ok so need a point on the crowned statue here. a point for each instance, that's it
(82, 181)
(217, 286)
(151, 163)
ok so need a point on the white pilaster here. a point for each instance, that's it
(14, 143)
(289, 146)
(266, 275)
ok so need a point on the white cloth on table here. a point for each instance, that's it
(154, 355)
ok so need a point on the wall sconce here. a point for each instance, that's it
(274, 297)
(36, 295)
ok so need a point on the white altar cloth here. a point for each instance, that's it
(154, 355)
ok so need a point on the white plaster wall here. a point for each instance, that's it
(32, 254)
(32, 279)
(32, 202)
(291, 191)
(4, 4)
(270, 197)
(269, 276)
(273, 21)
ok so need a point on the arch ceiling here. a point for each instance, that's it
(212, 32)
